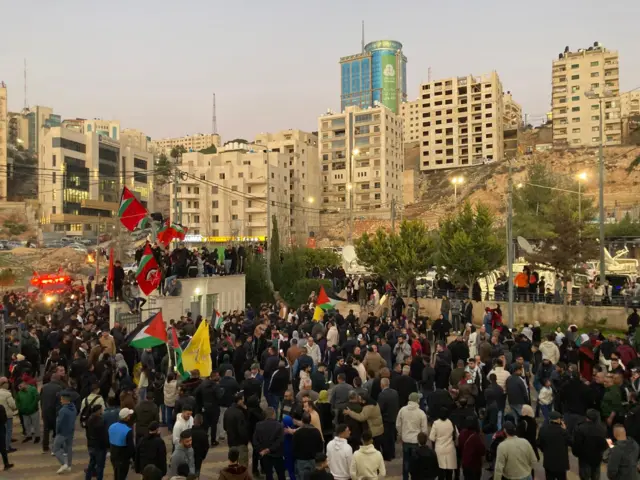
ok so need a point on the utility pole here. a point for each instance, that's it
(98, 251)
(119, 188)
(603, 276)
(268, 235)
(393, 215)
(510, 246)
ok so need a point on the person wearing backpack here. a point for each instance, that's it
(91, 400)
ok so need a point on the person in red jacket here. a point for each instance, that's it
(416, 347)
(472, 449)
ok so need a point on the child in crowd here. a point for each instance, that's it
(545, 399)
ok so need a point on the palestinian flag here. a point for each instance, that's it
(324, 302)
(148, 334)
(132, 213)
(177, 354)
(171, 231)
(217, 320)
(148, 275)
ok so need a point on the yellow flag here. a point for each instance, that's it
(197, 355)
(318, 314)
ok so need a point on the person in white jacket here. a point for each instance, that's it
(313, 350)
(367, 462)
(9, 404)
(409, 423)
(184, 421)
(402, 350)
(550, 350)
(340, 453)
(333, 336)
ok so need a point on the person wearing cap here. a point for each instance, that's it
(65, 428)
(553, 441)
(121, 444)
(515, 457)
(97, 442)
(9, 404)
(410, 422)
(182, 455)
(151, 450)
(589, 444)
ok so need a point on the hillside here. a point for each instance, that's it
(488, 184)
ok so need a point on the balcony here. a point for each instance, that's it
(256, 223)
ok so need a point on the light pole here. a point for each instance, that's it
(456, 181)
(592, 95)
(350, 185)
(582, 177)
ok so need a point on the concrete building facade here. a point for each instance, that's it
(461, 122)
(81, 178)
(4, 133)
(362, 157)
(576, 118)
(630, 104)
(512, 112)
(410, 113)
(376, 76)
(231, 193)
(193, 143)
(305, 184)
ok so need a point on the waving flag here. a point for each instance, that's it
(171, 231)
(324, 301)
(148, 334)
(177, 353)
(197, 355)
(132, 213)
(148, 275)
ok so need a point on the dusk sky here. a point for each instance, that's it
(273, 65)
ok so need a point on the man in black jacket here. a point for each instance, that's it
(553, 441)
(236, 424)
(208, 395)
(49, 405)
(146, 412)
(200, 442)
(389, 403)
(517, 392)
(404, 385)
(589, 444)
(97, 442)
(268, 439)
(278, 385)
(229, 386)
(151, 450)
(307, 443)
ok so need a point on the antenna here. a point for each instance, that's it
(362, 36)
(25, 84)
(214, 120)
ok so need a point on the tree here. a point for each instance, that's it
(163, 170)
(572, 241)
(209, 150)
(13, 227)
(468, 246)
(531, 199)
(274, 254)
(319, 257)
(634, 163)
(399, 257)
(177, 152)
(624, 228)
(257, 289)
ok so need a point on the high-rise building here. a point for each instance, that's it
(131, 137)
(4, 132)
(576, 117)
(106, 128)
(305, 185)
(81, 176)
(461, 121)
(410, 112)
(630, 104)
(192, 143)
(512, 112)
(362, 155)
(377, 75)
(39, 118)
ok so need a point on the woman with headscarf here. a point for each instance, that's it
(289, 462)
(528, 429)
(120, 363)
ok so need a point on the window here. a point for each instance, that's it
(575, 88)
(575, 65)
(234, 203)
(595, 64)
(196, 190)
(575, 109)
(595, 117)
(595, 74)
(214, 189)
(595, 85)
(215, 218)
(214, 204)
(54, 160)
(575, 130)
(196, 219)
(575, 120)
(53, 178)
(575, 77)
(241, 175)
(595, 139)
(595, 107)
(69, 145)
(221, 176)
(234, 188)
(196, 204)
(595, 129)
(234, 217)
(576, 98)
(140, 163)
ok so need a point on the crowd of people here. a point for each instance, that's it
(336, 398)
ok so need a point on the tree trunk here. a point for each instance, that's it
(472, 281)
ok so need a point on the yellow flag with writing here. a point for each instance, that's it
(318, 314)
(197, 355)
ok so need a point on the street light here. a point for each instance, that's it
(456, 181)
(592, 95)
(582, 177)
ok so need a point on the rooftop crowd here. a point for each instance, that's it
(338, 398)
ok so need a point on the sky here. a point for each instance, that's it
(273, 65)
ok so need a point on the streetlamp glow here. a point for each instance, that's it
(356, 151)
(310, 200)
(582, 176)
(456, 181)
(349, 186)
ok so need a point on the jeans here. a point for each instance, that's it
(243, 459)
(3, 445)
(97, 459)
(304, 467)
(220, 427)
(142, 394)
(269, 464)
(32, 424)
(588, 471)
(167, 417)
(546, 411)
(517, 411)
(62, 449)
(407, 452)
(227, 266)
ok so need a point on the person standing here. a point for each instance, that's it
(367, 462)
(234, 471)
(514, 458)
(623, 457)
(183, 455)
(184, 421)
(410, 422)
(3, 439)
(97, 443)
(65, 428)
(553, 441)
(151, 450)
(146, 412)
(9, 404)
(340, 453)
(268, 439)
(472, 449)
(236, 425)
(389, 407)
(27, 401)
(307, 443)
(320, 473)
(589, 444)
(121, 444)
(200, 441)
(444, 436)
(517, 391)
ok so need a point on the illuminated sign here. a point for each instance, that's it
(203, 239)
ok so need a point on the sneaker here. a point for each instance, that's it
(215, 444)
(63, 468)
(37, 440)
(8, 466)
(26, 439)
(45, 450)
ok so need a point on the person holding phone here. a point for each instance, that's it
(623, 458)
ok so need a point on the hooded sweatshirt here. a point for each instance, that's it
(339, 454)
(234, 472)
(410, 422)
(368, 463)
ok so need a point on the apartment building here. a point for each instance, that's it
(108, 128)
(193, 143)
(630, 104)
(4, 133)
(512, 112)
(305, 184)
(576, 117)
(232, 193)
(362, 156)
(81, 178)
(131, 137)
(410, 113)
(461, 121)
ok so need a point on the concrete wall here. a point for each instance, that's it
(541, 312)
